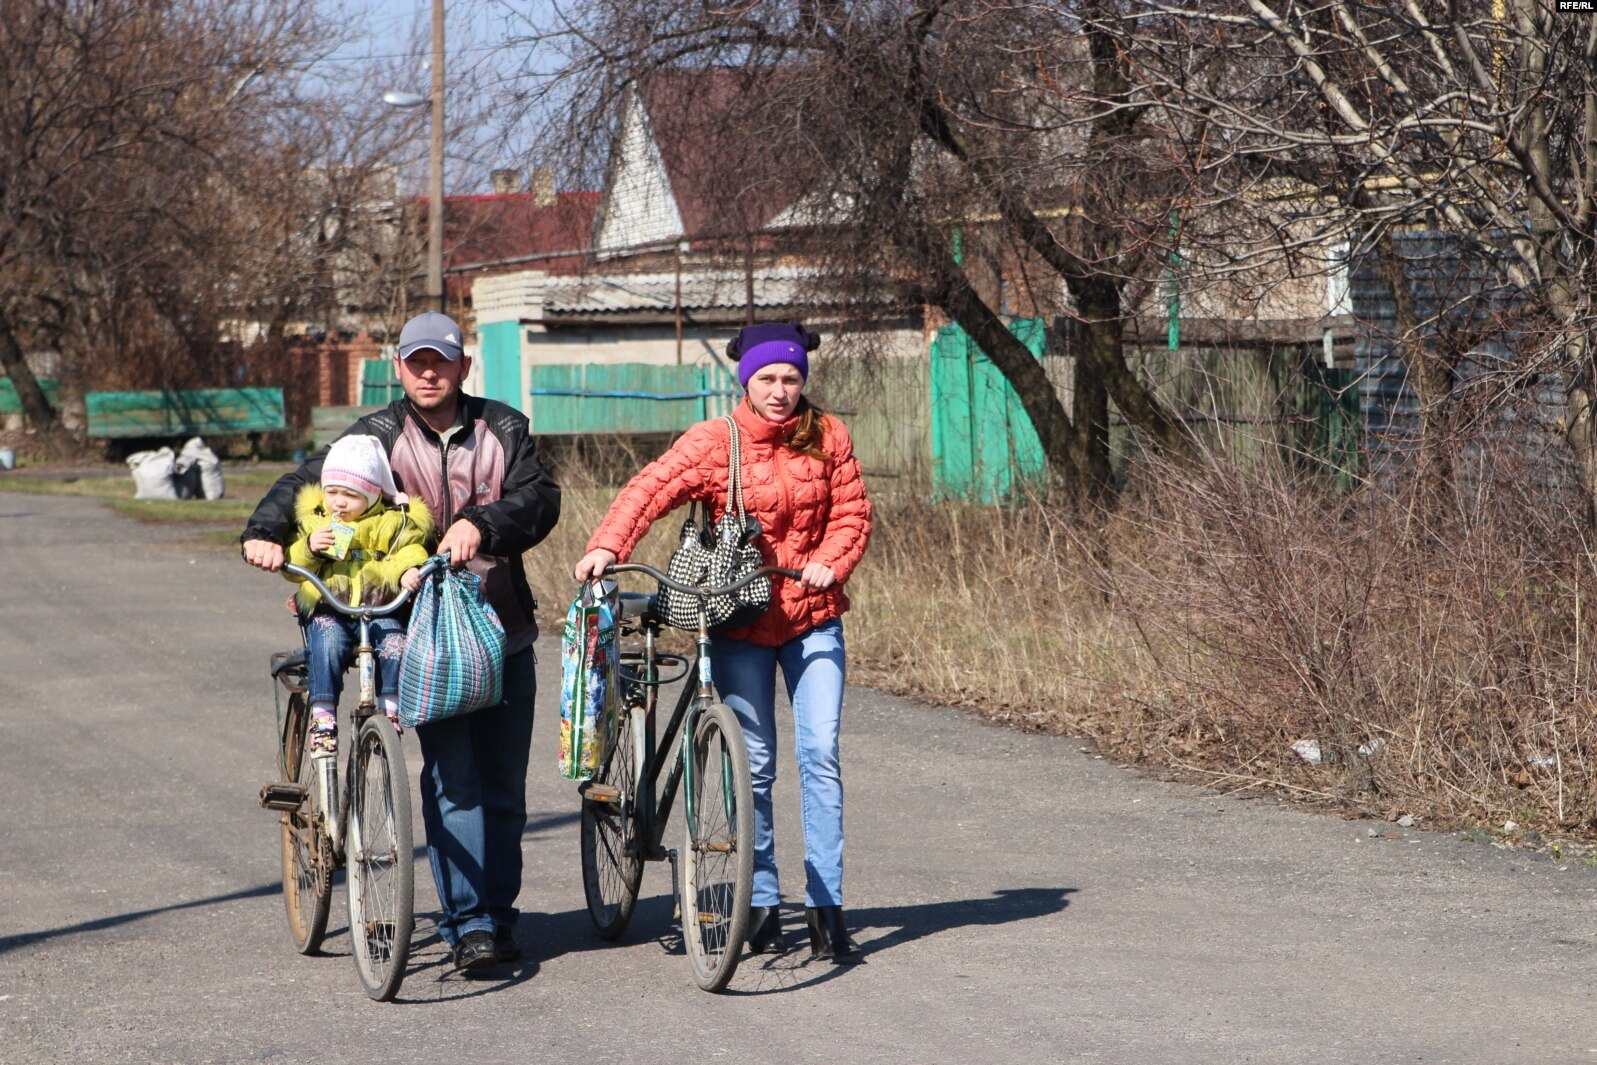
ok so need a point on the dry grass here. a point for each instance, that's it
(1226, 611)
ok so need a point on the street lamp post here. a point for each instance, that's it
(435, 161)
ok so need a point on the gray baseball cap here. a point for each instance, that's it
(431, 330)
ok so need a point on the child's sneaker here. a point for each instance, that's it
(324, 743)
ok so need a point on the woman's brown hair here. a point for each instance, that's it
(809, 431)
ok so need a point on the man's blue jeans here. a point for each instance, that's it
(474, 805)
(813, 669)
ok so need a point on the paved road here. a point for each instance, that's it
(1019, 900)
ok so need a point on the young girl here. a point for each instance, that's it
(360, 536)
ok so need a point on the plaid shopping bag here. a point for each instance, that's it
(454, 659)
(589, 695)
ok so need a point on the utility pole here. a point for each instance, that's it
(435, 192)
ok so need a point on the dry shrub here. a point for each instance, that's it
(1233, 607)
(995, 608)
(1435, 659)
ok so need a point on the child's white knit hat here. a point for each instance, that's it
(359, 463)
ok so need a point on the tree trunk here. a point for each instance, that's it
(1580, 424)
(36, 408)
(1090, 415)
(1104, 353)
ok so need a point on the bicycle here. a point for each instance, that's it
(625, 806)
(365, 826)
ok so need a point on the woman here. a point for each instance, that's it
(802, 482)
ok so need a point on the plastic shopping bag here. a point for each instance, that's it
(454, 659)
(589, 695)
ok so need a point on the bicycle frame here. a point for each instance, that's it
(335, 806)
(657, 799)
(696, 697)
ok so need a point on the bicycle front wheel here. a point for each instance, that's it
(612, 862)
(380, 860)
(307, 852)
(718, 870)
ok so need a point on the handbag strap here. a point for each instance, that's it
(734, 467)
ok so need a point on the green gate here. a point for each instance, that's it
(983, 445)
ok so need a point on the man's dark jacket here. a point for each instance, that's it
(489, 474)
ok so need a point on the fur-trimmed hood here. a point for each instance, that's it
(389, 539)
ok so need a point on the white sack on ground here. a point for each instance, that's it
(152, 474)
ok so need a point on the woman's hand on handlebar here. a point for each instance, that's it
(818, 577)
(594, 563)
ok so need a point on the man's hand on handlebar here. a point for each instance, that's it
(461, 542)
(264, 554)
(594, 563)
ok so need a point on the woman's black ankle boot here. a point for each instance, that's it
(765, 930)
(828, 935)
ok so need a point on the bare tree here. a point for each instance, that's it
(934, 145)
(175, 183)
(1475, 118)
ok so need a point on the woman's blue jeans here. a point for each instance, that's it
(474, 804)
(330, 642)
(813, 669)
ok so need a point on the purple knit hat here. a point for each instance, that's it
(758, 346)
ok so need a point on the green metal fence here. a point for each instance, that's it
(1248, 402)
(378, 384)
(627, 397)
(983, 445)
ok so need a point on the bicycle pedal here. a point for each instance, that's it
(606, 793)
(277, 796)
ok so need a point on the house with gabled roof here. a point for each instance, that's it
(679, 260)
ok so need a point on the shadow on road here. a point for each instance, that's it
(881, 928)
(545, 936)
(99, 924)
(25, 939)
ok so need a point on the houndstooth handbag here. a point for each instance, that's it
(717, 555)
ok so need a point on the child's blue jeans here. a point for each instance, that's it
(330, 642)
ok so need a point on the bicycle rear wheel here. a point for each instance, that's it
(612, 864)
(718, 867)
(307, 852)
(380, 860)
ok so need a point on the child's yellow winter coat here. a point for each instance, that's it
(389, 539)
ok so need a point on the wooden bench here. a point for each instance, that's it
(185, 412)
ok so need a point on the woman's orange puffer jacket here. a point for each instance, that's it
(811, 510)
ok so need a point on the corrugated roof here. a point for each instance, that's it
(701, 289)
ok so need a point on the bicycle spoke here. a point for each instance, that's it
(380, 862)
(718, 872)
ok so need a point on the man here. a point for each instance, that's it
(474, 463)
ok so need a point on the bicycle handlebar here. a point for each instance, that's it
(703, 592)
(392, 606)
